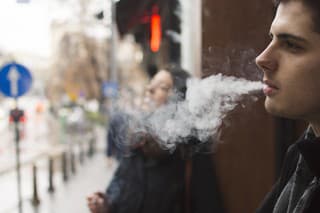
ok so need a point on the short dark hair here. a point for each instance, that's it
(179, 78)
(152, 69)
(312, 5)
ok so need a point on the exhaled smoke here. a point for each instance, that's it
(175, 36)
(199, 116)
(207, 102)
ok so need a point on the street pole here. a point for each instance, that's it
(113, 68)
(16, 80)
(113, 74)
(18, 166)
(191, 36)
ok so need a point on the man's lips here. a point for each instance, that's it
(269, 88)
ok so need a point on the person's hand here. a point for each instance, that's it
(97, 203)
(138, 139)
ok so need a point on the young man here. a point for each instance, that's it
(291, 67)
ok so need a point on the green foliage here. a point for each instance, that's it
(96, 118)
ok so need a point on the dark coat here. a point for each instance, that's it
(144, 185)
(152, 180)
(298, 189)
(116, 138)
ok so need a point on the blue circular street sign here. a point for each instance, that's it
(15, 80)
(110, 89)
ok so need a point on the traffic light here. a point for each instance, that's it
(155, 30)
(17, 115)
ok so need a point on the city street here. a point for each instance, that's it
(198, 109)
(83, 170)
(69, 196)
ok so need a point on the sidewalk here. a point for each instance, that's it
(70, 196)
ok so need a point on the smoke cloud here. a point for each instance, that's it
(207, 102)
(200, 115)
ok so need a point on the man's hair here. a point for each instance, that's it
(312, 5)
(179, 78)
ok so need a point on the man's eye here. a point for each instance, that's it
(292, 46)
(166, 89)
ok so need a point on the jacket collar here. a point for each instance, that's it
(309, 147)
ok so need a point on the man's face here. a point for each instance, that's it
(159, 88)
(291, 64)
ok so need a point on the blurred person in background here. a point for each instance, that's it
(152, 179)
(291, 68)
(117, 125)
(119, 115)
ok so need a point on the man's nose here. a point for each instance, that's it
(267, 61)
(150, 89)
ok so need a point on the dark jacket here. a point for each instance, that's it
(152, 180)
(116, 138)
(144, 185)
(298, 188)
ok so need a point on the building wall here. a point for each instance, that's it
(234, 32)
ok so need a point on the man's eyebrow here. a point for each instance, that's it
(286, 36)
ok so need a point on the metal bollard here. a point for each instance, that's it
(90, 148)
(94, 145)
(81, 154)
(64, 166)
(51, 165)
(35, 199)
(73, 163)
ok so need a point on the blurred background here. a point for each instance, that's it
(82, 54)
